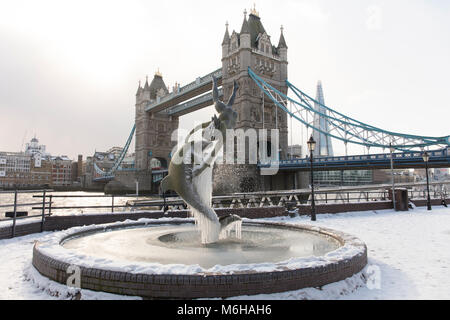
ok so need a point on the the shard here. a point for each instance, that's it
(324, 147)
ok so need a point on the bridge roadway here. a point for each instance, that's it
(199, 86)
(193, 105)
(405, 160)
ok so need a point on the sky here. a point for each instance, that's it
(69, 70)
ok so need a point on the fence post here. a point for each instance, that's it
(112, 205)
(15, 214)
(50, 205)
(43, 211)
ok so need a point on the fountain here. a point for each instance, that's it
(205, 256)
(190, 170)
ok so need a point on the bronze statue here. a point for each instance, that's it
(193, 182)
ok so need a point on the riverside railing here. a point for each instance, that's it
(111, 206)
(288, 198)
(46, 205)
(292, 198)
(15, 205)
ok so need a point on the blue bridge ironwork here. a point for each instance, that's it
(342, 127)
(197, 95)
(404, 160)
(101, 175)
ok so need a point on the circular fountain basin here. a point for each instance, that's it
(165, 259)
(182, 245)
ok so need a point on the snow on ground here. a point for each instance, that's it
(409, 258)
(411, 250)
(20, 280)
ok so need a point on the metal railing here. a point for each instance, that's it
(112, 206)
(288, 198)
(46, 205)
(292, 198)
(16, 205)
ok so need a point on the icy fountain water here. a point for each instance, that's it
(209, 225)
(169, 245)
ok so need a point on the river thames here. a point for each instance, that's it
(64, 199)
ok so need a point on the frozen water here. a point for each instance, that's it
(182, 245)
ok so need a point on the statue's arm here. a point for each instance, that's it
(220, 106)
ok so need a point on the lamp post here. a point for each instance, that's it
(391, 149)
(311, 147)
(426, 158)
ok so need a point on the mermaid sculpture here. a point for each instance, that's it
(193, 181)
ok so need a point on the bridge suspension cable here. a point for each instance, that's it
(342, 127)
(118, 162)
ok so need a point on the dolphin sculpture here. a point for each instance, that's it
(193, 182)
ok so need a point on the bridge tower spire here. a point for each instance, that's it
(226, 41)
(139, 90)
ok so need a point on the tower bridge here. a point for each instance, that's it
(158, 111)
(261, 68)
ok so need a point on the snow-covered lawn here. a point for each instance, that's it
(411, 251)
(19, 280)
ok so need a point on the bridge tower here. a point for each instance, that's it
(252, 47)
(153, 143)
